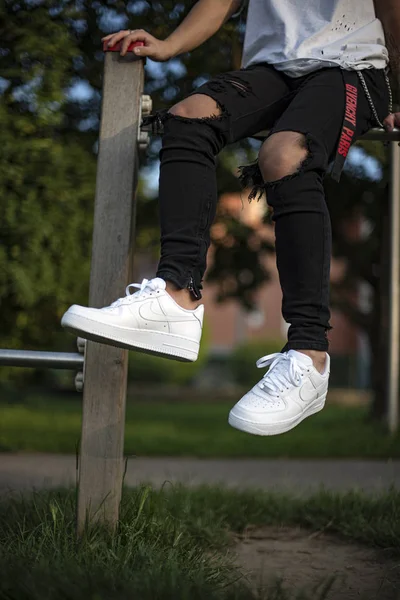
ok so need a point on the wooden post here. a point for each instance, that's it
(104, 396)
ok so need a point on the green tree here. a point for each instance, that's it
(47, 177)
(365, 203)
(50, 50)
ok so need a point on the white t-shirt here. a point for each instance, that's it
(301, 36)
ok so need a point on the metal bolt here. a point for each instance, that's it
(146, 105)
(81, 344)
(143, 140)
(80, 377)
(79, 381)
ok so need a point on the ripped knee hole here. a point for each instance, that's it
(197, 108)
(283, 155)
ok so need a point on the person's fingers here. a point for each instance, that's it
(128, 37)
(116, 37)
(397, 119)
(389, 122)
(135, 36)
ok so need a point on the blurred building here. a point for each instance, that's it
(230, 325)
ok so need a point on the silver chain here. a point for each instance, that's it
(369, 97)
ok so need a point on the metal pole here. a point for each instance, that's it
(394, 295)
(375, 134)
(34, 358)
(381, 135)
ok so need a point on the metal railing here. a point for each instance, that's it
(35, 358)
(394, 292)
(375, 134)
(73, 361)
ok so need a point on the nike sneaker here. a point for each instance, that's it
(291, 390)
(148, 320)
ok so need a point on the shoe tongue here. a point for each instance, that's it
(300, 357)
(158, 283)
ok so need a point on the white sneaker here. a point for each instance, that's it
(149, 321)
(291, 390)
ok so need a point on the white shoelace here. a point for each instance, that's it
(146, 287)
(283, 369)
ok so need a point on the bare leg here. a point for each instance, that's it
(317, 357)
(182, 297)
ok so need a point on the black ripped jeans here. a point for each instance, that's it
(251, 100)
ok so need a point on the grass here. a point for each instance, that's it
(52, 424)
(171, 543)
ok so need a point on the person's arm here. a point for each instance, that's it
(205, 19)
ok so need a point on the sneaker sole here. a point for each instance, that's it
(157, 343)
(276, 428)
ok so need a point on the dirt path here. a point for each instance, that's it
(302, 559)
(305, 560)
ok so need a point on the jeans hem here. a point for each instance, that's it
(173, 278)
(307, 345)
(189, 283)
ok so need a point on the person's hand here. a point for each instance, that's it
(392, 121)
(153, 48)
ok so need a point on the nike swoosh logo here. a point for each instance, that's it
(307, 392)
(147, 312)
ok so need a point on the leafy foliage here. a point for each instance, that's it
(46, 187)
(49, 114)
(360, 240)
